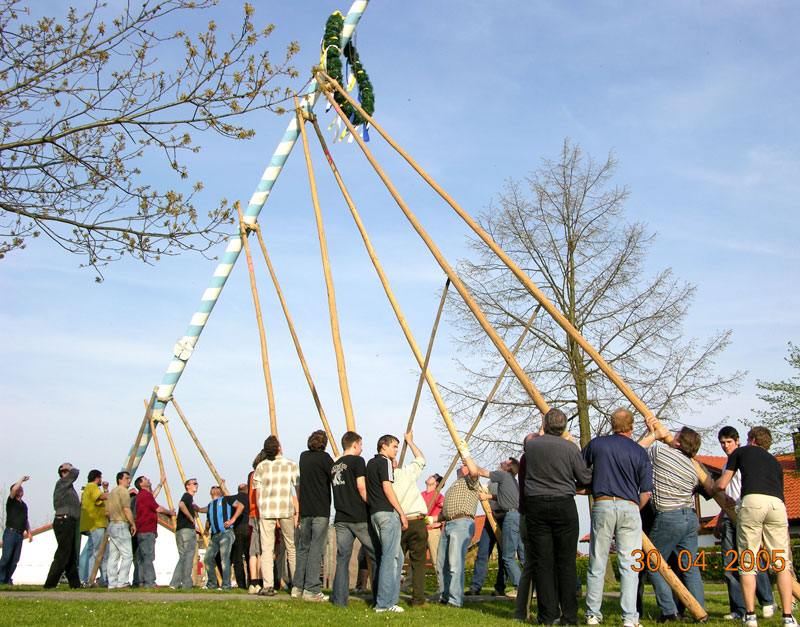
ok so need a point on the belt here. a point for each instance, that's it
(614, 498)
(117, 522)
(64, 517)
(460, 516)
(549, 497)
(420, 517)
(15, 530)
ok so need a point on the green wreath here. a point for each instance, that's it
(331, 45)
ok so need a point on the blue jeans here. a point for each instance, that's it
(486, 545)
(12, 548)
(120, 554)
(763, 584)
(453, 545)
(346, 532)
(386, 531)
(512, 546)
(310, 542)
(89, 556)
(219, 543)
(675, 531)
(186, 539)
(145, 557)
(609, 518)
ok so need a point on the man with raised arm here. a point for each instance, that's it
(414, 539)
(147, 511)
(761, 517)
(186, 536)
(67, 505)
(348, 480)
(121, 527)
(387, 523)
(16, 524)
(622, 481)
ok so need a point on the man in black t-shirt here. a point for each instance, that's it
(16, 525)
(241, 537)
(387, 522)
(185, 536)
(314, 497)
(761, 515)
(348, 480)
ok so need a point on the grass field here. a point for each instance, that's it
(101, 607)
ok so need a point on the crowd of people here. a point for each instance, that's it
(275, 528)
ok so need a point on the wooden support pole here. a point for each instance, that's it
(399, 313)
(694, 608)
(163, 473)
(424, 368)
(273, 423)
(200, 448)
(296, 341)
(323, 247)
(174, 452)
(486, 404)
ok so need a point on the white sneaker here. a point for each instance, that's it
(789, 621)
(315, 598)
(631, 625)
(750, 621)
(732, 616)
(296, 592)
(395, 608)
(768, 611)
(254, 589)
(592, 620)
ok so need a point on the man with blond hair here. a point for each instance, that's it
(622, 481)
(761, 516)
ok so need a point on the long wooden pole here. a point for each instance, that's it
(424, 368)
(163, 473)
(200, 448)
(273, 423)
(486, 404)
(694, 607)
(306, 372)
(323, 248)
(399, 313)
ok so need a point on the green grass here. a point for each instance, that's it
(221, 608)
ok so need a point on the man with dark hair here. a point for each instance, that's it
(186, 536)
(348, 481)
(254, 553)
(507, 513)
(121, 527)
(554, 469)
(147, 511)
(675, 526)
(222, 512)
(241, 537)
(65, 525)
(761, 516)
(434, 526)
(387, 522)
(93, 526)
(725, 530)
(622, 481)
(273, 481)
(315, 510)
(16, 524)
(487, 544)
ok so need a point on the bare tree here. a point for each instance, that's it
(564, 225)
(85, 102)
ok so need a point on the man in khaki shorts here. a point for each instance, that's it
(761, 516)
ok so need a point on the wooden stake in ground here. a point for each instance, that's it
(692, 605)
(326, 267)
(399, 314)
(243, 228)
(200, 448)
(424, 368)
(296, 341)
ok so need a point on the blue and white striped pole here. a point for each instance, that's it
(184, 347)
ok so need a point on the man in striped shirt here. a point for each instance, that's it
(675, 528)
(223, 512)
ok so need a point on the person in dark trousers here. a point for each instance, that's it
(241, 538)
(16, 525)
(314, 497)
(67, 506)
(554, 469)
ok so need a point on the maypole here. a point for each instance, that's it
(185, 346)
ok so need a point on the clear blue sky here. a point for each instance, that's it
(699, 102)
